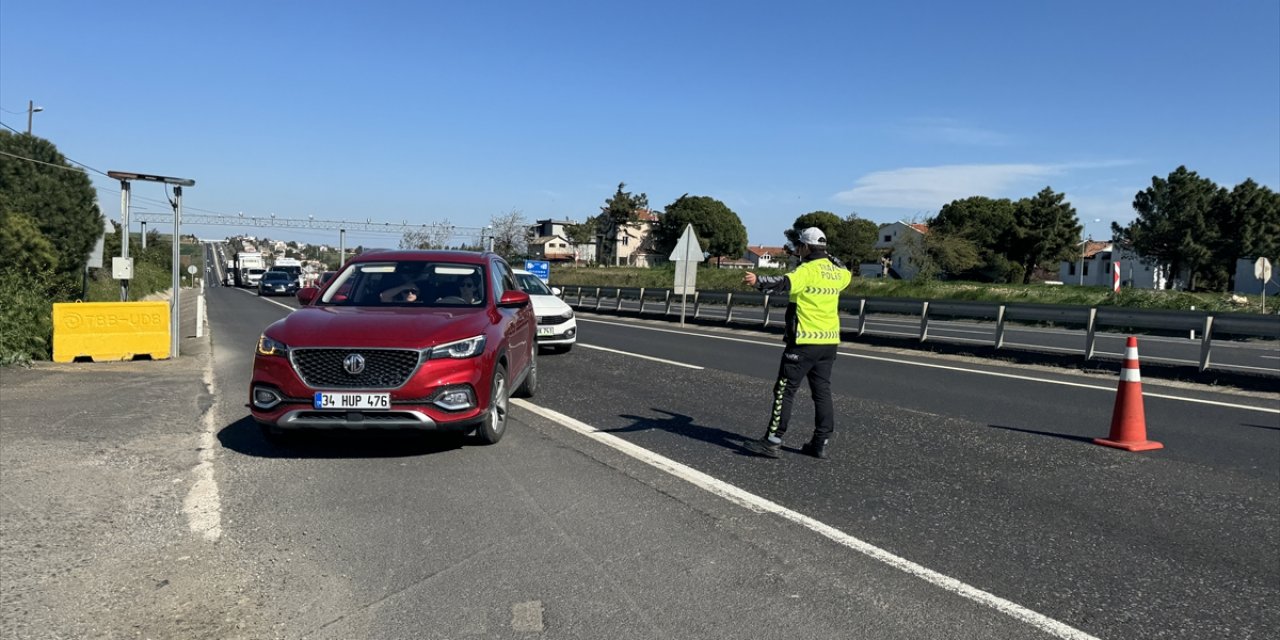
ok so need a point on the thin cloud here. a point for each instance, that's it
(932, 187)
(949, 131)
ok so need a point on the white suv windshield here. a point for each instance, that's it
(532, 285)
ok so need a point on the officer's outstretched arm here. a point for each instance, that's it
(773, 284)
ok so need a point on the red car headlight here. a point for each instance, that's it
(468, 348)
(272, 347)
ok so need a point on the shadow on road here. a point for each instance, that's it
(1261, 426)
(244, 436)
(1064, 436)
(683, 425)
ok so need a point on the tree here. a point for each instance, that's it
(428, 236)
(990, 225)
(1255, 218)
(718, 228)
(860, 234)
(940, 253)
(1047, 232)
(57, 197)
(581, 234)
(22, 246)
(622, 208)
(829, 223)
(851, 239)
(510, 235)
(1175, 223)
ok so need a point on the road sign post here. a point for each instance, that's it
(687, 255)
(1262, 269)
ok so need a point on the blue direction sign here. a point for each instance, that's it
(540, 268)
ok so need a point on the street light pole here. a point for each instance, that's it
(31, 108)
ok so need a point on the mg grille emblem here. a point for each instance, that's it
(354, 364)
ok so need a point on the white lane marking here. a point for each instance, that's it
(636, 355)
(264, 299)
(203, 506)
(758, 504)
(951, 368)
(1270, 357)
(526, 617)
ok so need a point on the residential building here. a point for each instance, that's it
(900, 242)
(554, 248)
(635, 243)
(550, 241)
(1097, 264)
(762, 257)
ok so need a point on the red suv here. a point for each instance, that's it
(432, 340)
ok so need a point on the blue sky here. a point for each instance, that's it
(427, 111)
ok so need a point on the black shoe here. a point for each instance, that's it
(763, 448)
(815, 449)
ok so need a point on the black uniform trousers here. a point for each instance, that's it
(812, 361)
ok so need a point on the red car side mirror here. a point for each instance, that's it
(513, 299)
(306, 295)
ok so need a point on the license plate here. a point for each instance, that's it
(338, 400)
(546, 331)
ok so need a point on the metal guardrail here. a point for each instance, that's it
(1090, 319)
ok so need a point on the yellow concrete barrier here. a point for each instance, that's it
(110, 330)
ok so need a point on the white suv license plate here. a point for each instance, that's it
(546, 331)
(338, 400)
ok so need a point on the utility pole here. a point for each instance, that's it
(31, 108)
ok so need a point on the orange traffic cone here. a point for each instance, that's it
(1128, 421)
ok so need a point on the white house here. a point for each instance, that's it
(1099, 258)
(900, 242)
(635, 244)
(556, 248)
(762, 257)
(550, 241)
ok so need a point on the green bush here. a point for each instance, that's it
(26, 313)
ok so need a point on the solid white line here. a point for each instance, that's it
(950, 368)
(636, 355)
(203, 506)
(267, 299)
(761, 505)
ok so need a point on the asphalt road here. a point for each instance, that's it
(964, 501)
(981, 472)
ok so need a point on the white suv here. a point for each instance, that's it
(557, 327)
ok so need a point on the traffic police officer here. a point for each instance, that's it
(812, 335)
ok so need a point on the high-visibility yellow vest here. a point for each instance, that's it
(815, 291)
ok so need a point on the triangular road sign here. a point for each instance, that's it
(688, 249)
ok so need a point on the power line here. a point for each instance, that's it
(310, 223)
(222, 218)
(47, 164)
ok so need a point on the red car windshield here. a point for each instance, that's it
(410, 283)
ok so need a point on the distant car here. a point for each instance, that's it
(277, 283)
(395, 342)
(557, 326)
